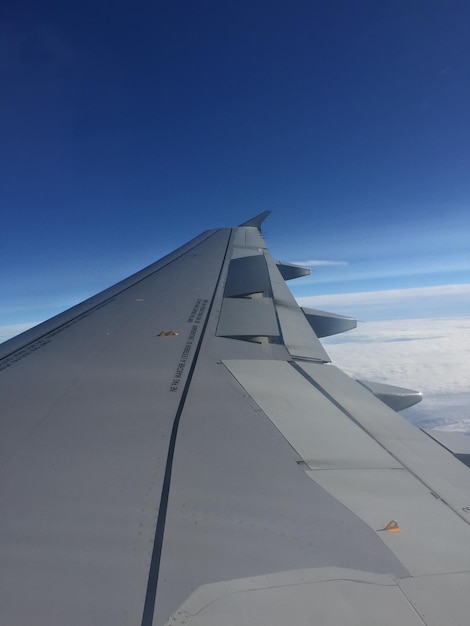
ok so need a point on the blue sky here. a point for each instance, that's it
(128, 129)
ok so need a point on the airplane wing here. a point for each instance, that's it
(179, 450)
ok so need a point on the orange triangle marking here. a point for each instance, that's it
(392, 526)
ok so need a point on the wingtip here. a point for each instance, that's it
(257, 220)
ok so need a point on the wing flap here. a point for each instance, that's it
(320, 433)
(333, 595)
(247, 275)
(381, 495)
(328, 429)
(248, 318)
(438, 469)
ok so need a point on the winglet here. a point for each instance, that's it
(257, 221)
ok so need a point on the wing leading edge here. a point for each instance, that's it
(180, 448)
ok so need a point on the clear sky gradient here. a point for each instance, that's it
(127, 129)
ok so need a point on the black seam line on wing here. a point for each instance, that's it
(271, 294)
(101, 303)
(329, 397)
(152, 582)
(339, 406)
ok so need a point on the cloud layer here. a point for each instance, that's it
(11, 330)
(429, 355)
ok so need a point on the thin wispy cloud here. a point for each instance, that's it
(10, 330)
(380, 269)
(435, 301)
(319, 263)
(393, 294)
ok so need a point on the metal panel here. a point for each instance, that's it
(323, 436)
(328, 596)
(440, 599)
(247, 275)
(247, 317)
(249, 237)
(240, 504)
(241, 251)
(381, 495)
(297, 334)
(457, 443)
(185, 252)
(86, 416)
(436, 467)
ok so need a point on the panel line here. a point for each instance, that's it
(152, 583)
(348, 414)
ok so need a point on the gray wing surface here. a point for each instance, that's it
(179, 450)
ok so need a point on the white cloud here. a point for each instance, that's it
(319, 263)
(429, 355)
(360, 269)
